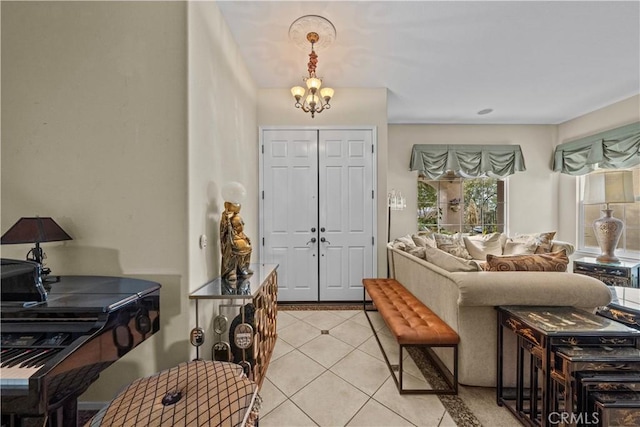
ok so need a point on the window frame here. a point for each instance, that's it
(460, 224)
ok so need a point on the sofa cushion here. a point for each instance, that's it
(452, 244)
(483, 244)
(449, 262)
(553, 261)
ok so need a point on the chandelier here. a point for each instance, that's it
(315, 99)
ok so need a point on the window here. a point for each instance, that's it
(467, 205)
(629, 213)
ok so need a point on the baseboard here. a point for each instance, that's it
(91, 406)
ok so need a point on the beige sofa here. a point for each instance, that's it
(466, 301)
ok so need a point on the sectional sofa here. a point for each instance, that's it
(466, 300)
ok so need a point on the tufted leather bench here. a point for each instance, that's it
(413, 325)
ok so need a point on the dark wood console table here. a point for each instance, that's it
(540, 332)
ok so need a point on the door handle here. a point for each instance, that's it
(323, 240)
(313, 240)
(322, 229)
(313, 229)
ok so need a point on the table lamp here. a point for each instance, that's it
(35, 230)
(612, 186)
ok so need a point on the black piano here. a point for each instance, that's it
(55, 344)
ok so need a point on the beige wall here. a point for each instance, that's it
(128, 148)
(94, 134)
(349, 107)
(531, 194)
(223, 146)
(610, 117)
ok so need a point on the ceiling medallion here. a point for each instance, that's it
(312, 23)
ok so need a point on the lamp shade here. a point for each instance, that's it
(314, 83)
(234, 192)
(297, 91)
(614, 186)
(326, 92)
(34, 230)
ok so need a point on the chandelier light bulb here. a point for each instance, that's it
(297, 92)
(326, 93)
(314, 83)
(313, 100)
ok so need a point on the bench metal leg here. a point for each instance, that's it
(450, 378)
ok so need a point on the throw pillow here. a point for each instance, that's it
(544, 240)
(448, 262)
(482, 245)
(553, 261)
(423, 240)
(416, 252)
(452, 244)
(525, 247)
(404, 242)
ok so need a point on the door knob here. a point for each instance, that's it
(323, 240)
(322, 229)
(313, 240)
(313, 229)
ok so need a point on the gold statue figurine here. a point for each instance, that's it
(234, 244)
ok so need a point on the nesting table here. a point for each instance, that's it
(553, 343)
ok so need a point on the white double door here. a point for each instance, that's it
(317, 211)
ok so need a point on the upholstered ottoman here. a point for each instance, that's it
(197, 393)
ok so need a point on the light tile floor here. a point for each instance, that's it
(340, 378)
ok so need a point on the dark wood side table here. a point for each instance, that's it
(540, 331)
(612, 274)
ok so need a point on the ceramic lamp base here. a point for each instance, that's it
(608, 231)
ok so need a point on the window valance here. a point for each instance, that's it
(472, 161)
(614, 149)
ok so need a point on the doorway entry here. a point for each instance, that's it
(317, 211)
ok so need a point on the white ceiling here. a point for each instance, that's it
(540, 62)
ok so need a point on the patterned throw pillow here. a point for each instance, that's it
(544, 240)
(553, 261)
(452, 244)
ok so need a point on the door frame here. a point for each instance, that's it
(374, 137)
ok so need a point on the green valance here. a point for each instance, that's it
(614, 149)
(471, 161)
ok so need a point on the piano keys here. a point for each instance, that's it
(52, 350)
